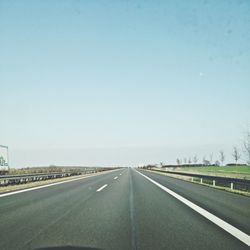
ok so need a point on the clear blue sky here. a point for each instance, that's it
(122, 82)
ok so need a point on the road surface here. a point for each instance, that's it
(124, 209)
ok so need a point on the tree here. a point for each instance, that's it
(178, 161)
(2, 161)
(205, 162)
(236, 155)
(195, 159)
(211, 157)
(185, 160)
(222, 157)
(217, 163)
(246, 145)
(203, 159)
(189, 161)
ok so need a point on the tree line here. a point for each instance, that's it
(236, 154)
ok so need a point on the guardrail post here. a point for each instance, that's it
(192, 179)
(201, 181)
(232, 186)
(213, 183)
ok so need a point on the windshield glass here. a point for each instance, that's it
(124, 124)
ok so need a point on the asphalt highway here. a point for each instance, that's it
(125, 209)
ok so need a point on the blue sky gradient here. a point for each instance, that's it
(98, 81)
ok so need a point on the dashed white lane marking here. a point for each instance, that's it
(120, 174)
(245, 238)
(115, 178)
(101, 188)
(51, 184)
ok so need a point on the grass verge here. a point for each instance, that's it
(242, 172)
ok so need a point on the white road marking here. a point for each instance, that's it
(245, 238)
(115, 178)
(49, 185)
(101, 188)
(120, 174)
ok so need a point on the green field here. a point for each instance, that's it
(231, 171)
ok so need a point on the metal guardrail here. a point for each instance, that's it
(24, 178)
(232, 183)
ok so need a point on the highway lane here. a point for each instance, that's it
(233, 208)
(27, 216)
(128, 212)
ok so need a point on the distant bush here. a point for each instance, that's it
(234, 164)
(187, 165)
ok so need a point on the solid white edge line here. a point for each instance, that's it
(101, 188)
(48, 185)
(115, 178)
(245, 238)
